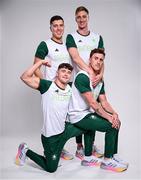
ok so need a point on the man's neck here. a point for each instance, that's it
(57, 40)
(84, 31)
(60, 84)
(95, 73)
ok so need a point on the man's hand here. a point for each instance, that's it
(46, 63)
(96, 80)
(115, 121)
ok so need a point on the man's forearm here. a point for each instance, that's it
(29, 78)
(31, 70)
(38, 72)
(100, 111)
(108, 108)
(77, 59)
(81, 64)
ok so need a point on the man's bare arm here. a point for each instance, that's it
(29, 78)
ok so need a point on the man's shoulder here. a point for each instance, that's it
(48, 41)
(82, 77)
(82, 72)
(94, 34)
(44, 85)
(69, 86)
(73, 34)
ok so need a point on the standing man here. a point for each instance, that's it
(54, 49)
(79, 45)
(90, 110)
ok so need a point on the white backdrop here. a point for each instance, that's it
(26, 22)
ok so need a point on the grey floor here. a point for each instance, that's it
(68, 169)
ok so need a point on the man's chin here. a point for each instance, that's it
(97, 70)
(65, 82)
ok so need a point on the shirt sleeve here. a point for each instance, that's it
(70, 41)
(102, 91)
(70, 83)
(44, 85)
(82, 83)
(42, 50)
(101, 43)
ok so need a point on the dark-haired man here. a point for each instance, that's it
(55, 100)
(54, 50)
(90, 110)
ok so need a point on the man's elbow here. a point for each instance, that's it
(23, 77)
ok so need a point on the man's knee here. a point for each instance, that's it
(52, 163)
(51, 169)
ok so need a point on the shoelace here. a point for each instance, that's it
(111, 164)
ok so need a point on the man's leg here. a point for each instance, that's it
(80, 150)
(49, 162)
(94, 122)
(24, 152)
(88, 142)
(53, 145)
(79, 142)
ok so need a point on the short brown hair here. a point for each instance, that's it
(66, 66)
(56, 17)
(97, 50)
(81, 8)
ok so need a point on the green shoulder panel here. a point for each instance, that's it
(44, 85)
(101, 43)
(102, 91)
(42, 50)
(82, 83)
(70, 41)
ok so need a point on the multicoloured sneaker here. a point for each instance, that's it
(80, 153)
(113, 165)
(97, 152)
(66, 155)
(119, 160)
(21, 154)
(94, 161)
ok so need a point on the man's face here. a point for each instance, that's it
(96, 61)
(57, 29)
(82, 19)
(64, 75)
